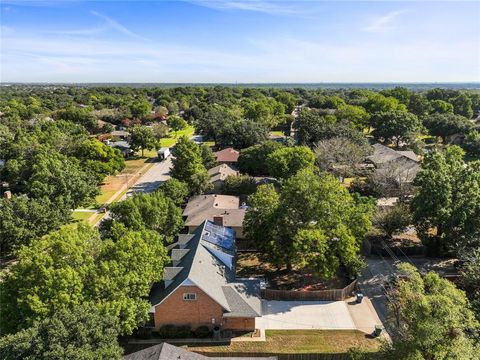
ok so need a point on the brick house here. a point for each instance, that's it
(200, 287)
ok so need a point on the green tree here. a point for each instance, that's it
(462, 105)
(431, 317)
(253, 160)
(175, 190)
(81, 116)
(470, 276)
(446, 205)
(441, 107)
(80, 333)
(160, 131)
(287, 99)
(472, 143)
(188, 166)
(287, 161)
(140, 109)
(239, 185)
(73, 266)
(356, 115)
(57, 176)
(25, 219)
(176, 123)
(310, 214)
(393, 220)
(443, 125)
(418, 104)
(152, 211)
(142, 137)
(395, 126)
(208, 158)
(101, 159)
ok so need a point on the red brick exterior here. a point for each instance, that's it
(174, 310)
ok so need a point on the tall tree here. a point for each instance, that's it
(253, 160)
(443, 125)
(152, 211)
(395, 127)
(446, 206)
(73, 266)
(312, 221)
(431, 319)
(287, 161)
(24, 219)
(142, 137)
(188, 166)
(80, 333)
(176, 123)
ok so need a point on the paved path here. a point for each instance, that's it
(153, 178)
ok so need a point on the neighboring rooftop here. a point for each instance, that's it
(228, 155)
(166, 351)
(209, 263)
(383, 155)
(207, 207)
(221, 172)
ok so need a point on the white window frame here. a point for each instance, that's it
(189, 296)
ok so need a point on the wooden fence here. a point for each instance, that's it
(318, 295)
(342, 356)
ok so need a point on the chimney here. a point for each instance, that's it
(218, 220)
(7, 194)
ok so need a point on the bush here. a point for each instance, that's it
(202, 332)
(174, 332)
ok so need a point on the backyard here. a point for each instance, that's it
(254, 264)
(298, 341)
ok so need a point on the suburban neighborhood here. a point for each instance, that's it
(188, 180)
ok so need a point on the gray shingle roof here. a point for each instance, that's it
(166, 351)
(209, 267)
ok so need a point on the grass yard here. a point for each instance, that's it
(172, 139)
(81, 215)
(299, 341)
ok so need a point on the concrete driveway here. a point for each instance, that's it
(326, 315)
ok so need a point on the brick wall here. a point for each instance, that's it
(175, 310)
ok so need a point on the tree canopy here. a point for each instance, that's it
(313, 222)
(431, 317)
(287, 161)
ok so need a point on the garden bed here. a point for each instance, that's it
(254, 264)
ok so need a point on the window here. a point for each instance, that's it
(189, 296)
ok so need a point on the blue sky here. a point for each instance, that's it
(240, 41)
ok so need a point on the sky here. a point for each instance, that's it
(244, 41)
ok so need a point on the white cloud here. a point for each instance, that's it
(116, 25)
(266, 7)
(383, 23)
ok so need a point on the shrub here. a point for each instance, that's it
(174, 332)
(202, 332)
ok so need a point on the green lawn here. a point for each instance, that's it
(277, 133)
(172, 139)
(81, 215)
(300, 341)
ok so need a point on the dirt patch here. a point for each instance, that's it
(254, 264)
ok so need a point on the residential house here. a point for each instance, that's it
(224, 210)
(399, 165)
(227, 156)
(200, 287)
(166, 351)
(218, 174)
